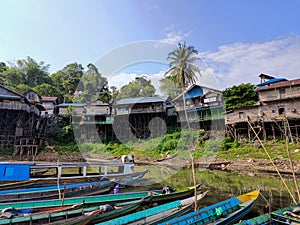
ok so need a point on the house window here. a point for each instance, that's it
(282, 91)
(241, 115)
(280, 110)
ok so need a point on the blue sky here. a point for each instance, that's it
(237, 40)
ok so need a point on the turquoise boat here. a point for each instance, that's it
(157, 214)
(280, 216)
(74, 216)
(157, 196)
(222, 213)
(286, 215)
(259, 220)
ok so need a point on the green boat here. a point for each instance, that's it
(67, 217)
(288, 215)
(157, 214)
(259, 220)
(157, 196)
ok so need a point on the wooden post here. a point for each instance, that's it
(264, 132)
(273, 131)
(297, 134)
(249, 134)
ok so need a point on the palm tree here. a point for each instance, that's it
(182, 69)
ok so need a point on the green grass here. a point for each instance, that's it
(183, 142)
(246, 151)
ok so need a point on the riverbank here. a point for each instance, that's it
(242, 163)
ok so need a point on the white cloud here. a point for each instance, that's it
(171, 36)
(174, 37)
(243, 62)
(121, 79)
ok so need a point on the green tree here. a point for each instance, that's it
(170, 88)
(12, 77)
(25, 71)
(3, 67)
(140, 87)
(91, 84)
(48, 90)
(21, 88)
(240, 95)
(67, 79)
(182, 69)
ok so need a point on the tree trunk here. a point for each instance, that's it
(184, 107)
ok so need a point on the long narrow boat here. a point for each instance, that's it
(289, 215)
(14, 174)
(157, 196)
(259, 220)
(54, 192)
(156, 214)
(225, 212)
(17, 184)
(67, 191)
(65, 216)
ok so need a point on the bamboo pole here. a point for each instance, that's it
(287, 188)
(63, 197)
(195, 184)
(292, 166)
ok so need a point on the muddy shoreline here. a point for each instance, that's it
(251, 167)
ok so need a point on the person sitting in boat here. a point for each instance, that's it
(102, 209)
(106, 208)
(117, 189)
(167, 190)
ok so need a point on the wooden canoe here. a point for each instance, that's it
(66, 214)
(157, 196)
(51, 192)
(259, 220)
(18, 184)
(225, 212)
(157, 214)
(286, 216)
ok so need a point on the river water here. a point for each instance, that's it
(221, 185)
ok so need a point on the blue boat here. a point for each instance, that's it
(45, 172)
(221, 213)
(157, 214)
(51, 192)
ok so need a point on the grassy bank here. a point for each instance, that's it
(182, 142)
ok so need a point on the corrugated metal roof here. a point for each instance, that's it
(48, 98)
(272, 81)
(71, 104)
(10, 97)
(281, 84)
(131, 101)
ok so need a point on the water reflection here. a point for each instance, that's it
(222, 185)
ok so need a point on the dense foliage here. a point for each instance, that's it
(140, 87)
(240, 95)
